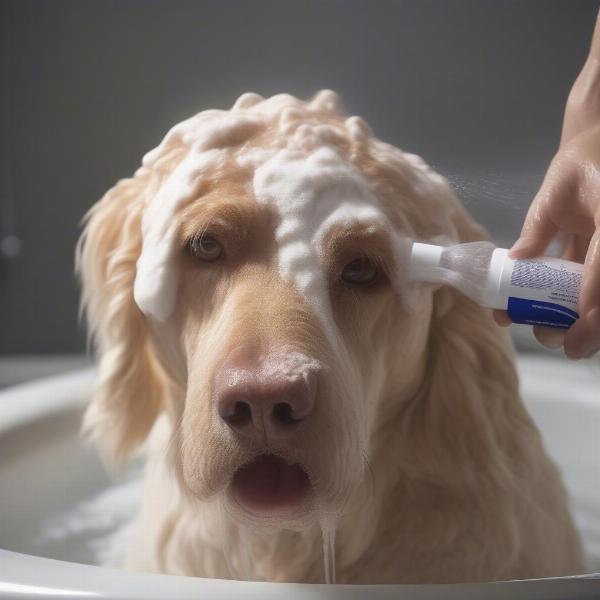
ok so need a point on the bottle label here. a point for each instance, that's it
(544, 291)
(537, 312)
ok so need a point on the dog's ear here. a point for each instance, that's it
(130, 382)
(472, 381)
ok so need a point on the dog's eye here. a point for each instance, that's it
(361, 271)
(205, 247)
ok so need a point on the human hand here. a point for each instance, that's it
(569, 202)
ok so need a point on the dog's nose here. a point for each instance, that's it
(273, 407)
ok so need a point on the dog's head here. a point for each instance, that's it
(249, 282)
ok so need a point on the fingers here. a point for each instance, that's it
(576, 248)
(589, 297)
(501, 317)
(548, 337)
(583, 339)
(536, 235)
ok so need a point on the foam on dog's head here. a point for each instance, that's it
(300, 172)
(311, 193)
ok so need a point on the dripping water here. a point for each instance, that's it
(328, 533)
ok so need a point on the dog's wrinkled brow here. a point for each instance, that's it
(235, 218)
(347, 241)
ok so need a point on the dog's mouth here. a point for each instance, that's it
(270, 487)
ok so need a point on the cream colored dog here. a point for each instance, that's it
(247, 294)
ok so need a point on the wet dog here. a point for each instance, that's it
(246, 291)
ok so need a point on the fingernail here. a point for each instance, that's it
(593, 318)
(588, 350)
(590, 344)
(585, 353)
(554, 340)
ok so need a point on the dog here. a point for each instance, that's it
(307, 413)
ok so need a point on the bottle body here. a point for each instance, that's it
(535, 291)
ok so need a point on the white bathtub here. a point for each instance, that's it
(46, 471)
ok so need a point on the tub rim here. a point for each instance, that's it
(29, 576)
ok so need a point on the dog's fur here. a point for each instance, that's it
(419, 442)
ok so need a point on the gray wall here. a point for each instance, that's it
(476, 87)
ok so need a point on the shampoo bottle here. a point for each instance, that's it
(536, 291)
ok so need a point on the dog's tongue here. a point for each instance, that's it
(268, 486)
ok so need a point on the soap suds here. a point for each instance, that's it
(300, 173)
(157, 267)
(311, 194)
(290, 365)
(99, 527)
(283, 364)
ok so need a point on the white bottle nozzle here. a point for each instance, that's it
(424, 261)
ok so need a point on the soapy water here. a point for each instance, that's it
(105, 523)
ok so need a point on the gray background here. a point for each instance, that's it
(86, 87)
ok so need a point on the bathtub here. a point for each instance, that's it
(46, 471)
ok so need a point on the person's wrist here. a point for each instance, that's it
(583, 104)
